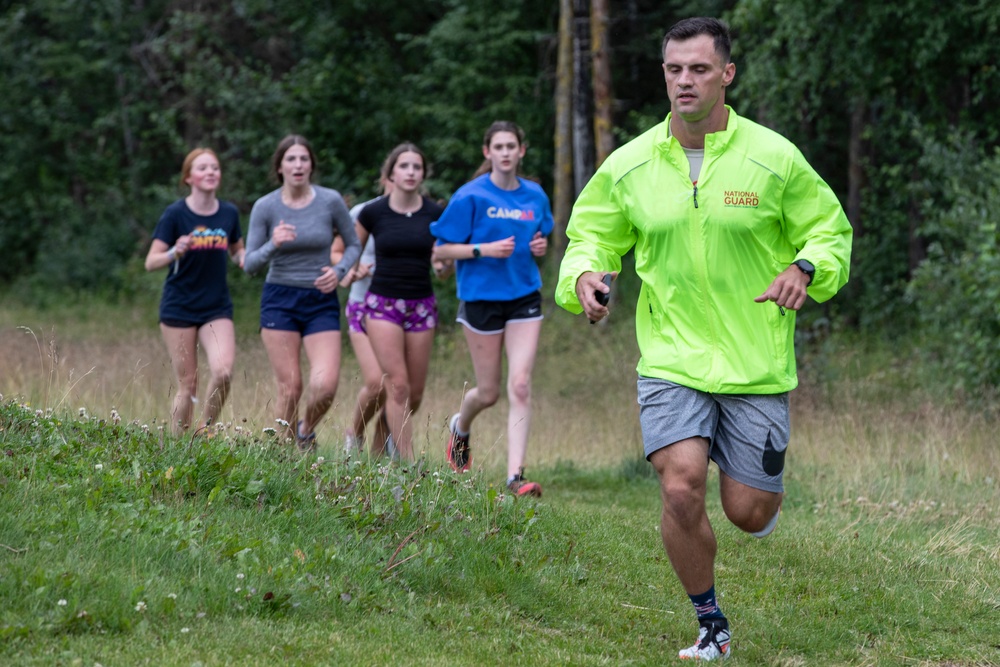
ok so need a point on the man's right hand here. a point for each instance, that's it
(588, 283)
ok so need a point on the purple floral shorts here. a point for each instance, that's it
(355, 315)
(412, 315)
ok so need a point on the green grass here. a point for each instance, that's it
(121, 546)
(887, 551)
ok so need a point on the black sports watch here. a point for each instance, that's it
(476, 252)
(806, 267)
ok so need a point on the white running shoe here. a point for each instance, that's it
(713, 641)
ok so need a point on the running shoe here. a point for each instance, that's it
(458, 453)
(522, 487)
(306, 443)
(713, 641)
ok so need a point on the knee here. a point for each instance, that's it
(290, 390)
(325, 387)
(684, 501)
(488, 396)
(752, 518)
(223, 377)
(519, 390)
(399, 392)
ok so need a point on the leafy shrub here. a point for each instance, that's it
(957, 289)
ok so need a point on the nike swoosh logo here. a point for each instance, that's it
(772, 461)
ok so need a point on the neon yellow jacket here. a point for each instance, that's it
(704, 252)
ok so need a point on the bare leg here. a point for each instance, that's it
(684, 527)
(182, 346)
(218, 339)
(419, 346)
(521, 344)
(748, 508)
(372, 393)
(283, 353)
(323, 352)
(400, 355)
(486, 351)
(389, 343)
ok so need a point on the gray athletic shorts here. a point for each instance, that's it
(747, 433)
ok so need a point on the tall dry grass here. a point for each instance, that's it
(866, 433)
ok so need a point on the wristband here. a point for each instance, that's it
(172, 253)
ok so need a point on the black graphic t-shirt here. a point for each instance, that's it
(196, 284)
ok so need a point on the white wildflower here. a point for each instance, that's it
(140, 606)
(62, 603)
(99, 466)
(240, 575)
(115, 417)
(184, 631)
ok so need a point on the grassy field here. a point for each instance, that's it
(121, 546)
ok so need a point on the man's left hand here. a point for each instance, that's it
(788, 290)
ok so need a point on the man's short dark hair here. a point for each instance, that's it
(701, 25)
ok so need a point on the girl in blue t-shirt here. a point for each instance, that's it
(494, 227)
(192, 240)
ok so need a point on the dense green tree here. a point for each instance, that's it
(857, 86)
(103, 99)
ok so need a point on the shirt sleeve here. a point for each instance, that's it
(599, 235)
(259, 248)
(455, 223)
(166, 229)
(365, 218)
(816, 224)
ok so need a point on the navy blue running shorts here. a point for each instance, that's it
(306, 311)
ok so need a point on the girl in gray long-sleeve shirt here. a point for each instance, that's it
(292, 229)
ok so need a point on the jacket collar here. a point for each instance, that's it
(715, 142)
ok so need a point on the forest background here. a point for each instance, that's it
(894, 103)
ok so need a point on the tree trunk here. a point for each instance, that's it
(604, 139)
(855, 166)
(563, 195)
(583, 139)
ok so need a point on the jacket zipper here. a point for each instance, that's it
(696, 196)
